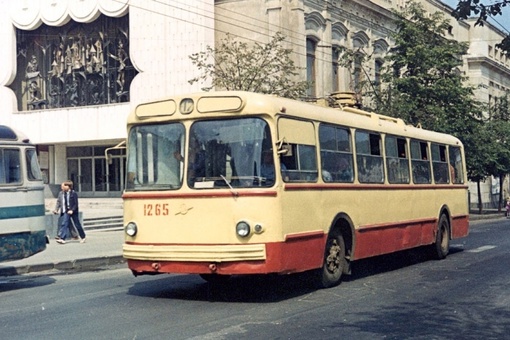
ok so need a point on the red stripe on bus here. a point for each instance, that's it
(209, 194)
(371, 227)
(369, 187)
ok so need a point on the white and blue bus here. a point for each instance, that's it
(22, 225)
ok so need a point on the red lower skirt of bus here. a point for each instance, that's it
(302, 252)
(297, 254)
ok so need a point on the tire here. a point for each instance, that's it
(334, 263)
(441, 246)
(215, 278)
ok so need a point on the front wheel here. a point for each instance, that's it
(441, 246)
(334, 261)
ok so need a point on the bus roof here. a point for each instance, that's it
(8, 134)
(235, 103)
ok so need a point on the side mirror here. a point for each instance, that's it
(283, 148)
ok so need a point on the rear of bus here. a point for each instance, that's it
(202, 191)
(22, 211)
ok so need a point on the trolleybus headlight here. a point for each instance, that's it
(131, 229)
(243, 229)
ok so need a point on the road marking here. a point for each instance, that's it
(480, 249)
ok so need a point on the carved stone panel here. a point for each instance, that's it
(78, 64)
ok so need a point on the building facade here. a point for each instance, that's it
(317, 30)
(73, 69)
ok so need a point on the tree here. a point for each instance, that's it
(498, 127)
(422, 84)
(264, 68)
(465, 8)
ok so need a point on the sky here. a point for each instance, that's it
(501, 22)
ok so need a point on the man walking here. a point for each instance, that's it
(71, 213)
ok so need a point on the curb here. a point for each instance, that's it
(482, 217)
(79, 265)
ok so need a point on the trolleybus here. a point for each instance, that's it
(22, 223)
(233, 183)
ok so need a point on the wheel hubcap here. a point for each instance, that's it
(333, 259)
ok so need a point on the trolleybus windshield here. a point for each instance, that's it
(232, 153)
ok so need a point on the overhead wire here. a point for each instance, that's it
(257, 29)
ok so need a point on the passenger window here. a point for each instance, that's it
(397, 160)
(336, 154)
(10, 171)
(455, 166)
(439, 163)
(299, 163)
(369, 157)
(420, 162)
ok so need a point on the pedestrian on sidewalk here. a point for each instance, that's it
(59, 208)
(71, 215)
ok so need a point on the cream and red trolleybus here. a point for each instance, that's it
(231, 183)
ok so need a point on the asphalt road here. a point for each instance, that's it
(400, 296)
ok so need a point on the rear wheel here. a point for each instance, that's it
(441, 246)
(334, 261)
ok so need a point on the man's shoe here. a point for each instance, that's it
(60, 241)
(83, 240)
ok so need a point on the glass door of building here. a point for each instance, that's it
(93, 175)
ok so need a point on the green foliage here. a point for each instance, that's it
(465, 8)
(498, 127)
(236, 65)
(423, 85)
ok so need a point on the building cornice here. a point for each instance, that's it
(489, 63)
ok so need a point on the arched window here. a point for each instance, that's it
(358, 72)
(377, 73)
(335, 56)
(311, 47)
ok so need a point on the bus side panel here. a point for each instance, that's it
(21, 245)
(376, 240)
(460, 226)
(22, 226)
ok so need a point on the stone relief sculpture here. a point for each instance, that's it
(82, 64)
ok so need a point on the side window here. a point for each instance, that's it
(369, 157)
(397, 159)
(455, 166)
(10, 171)
(299, 163)
(439, 163)
(336, 154)
(33, 170)
(420, 162)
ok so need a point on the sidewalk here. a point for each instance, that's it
(103, 247)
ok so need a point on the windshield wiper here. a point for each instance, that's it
(235, 193)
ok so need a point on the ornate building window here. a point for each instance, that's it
(311, 47)
(73, 65)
